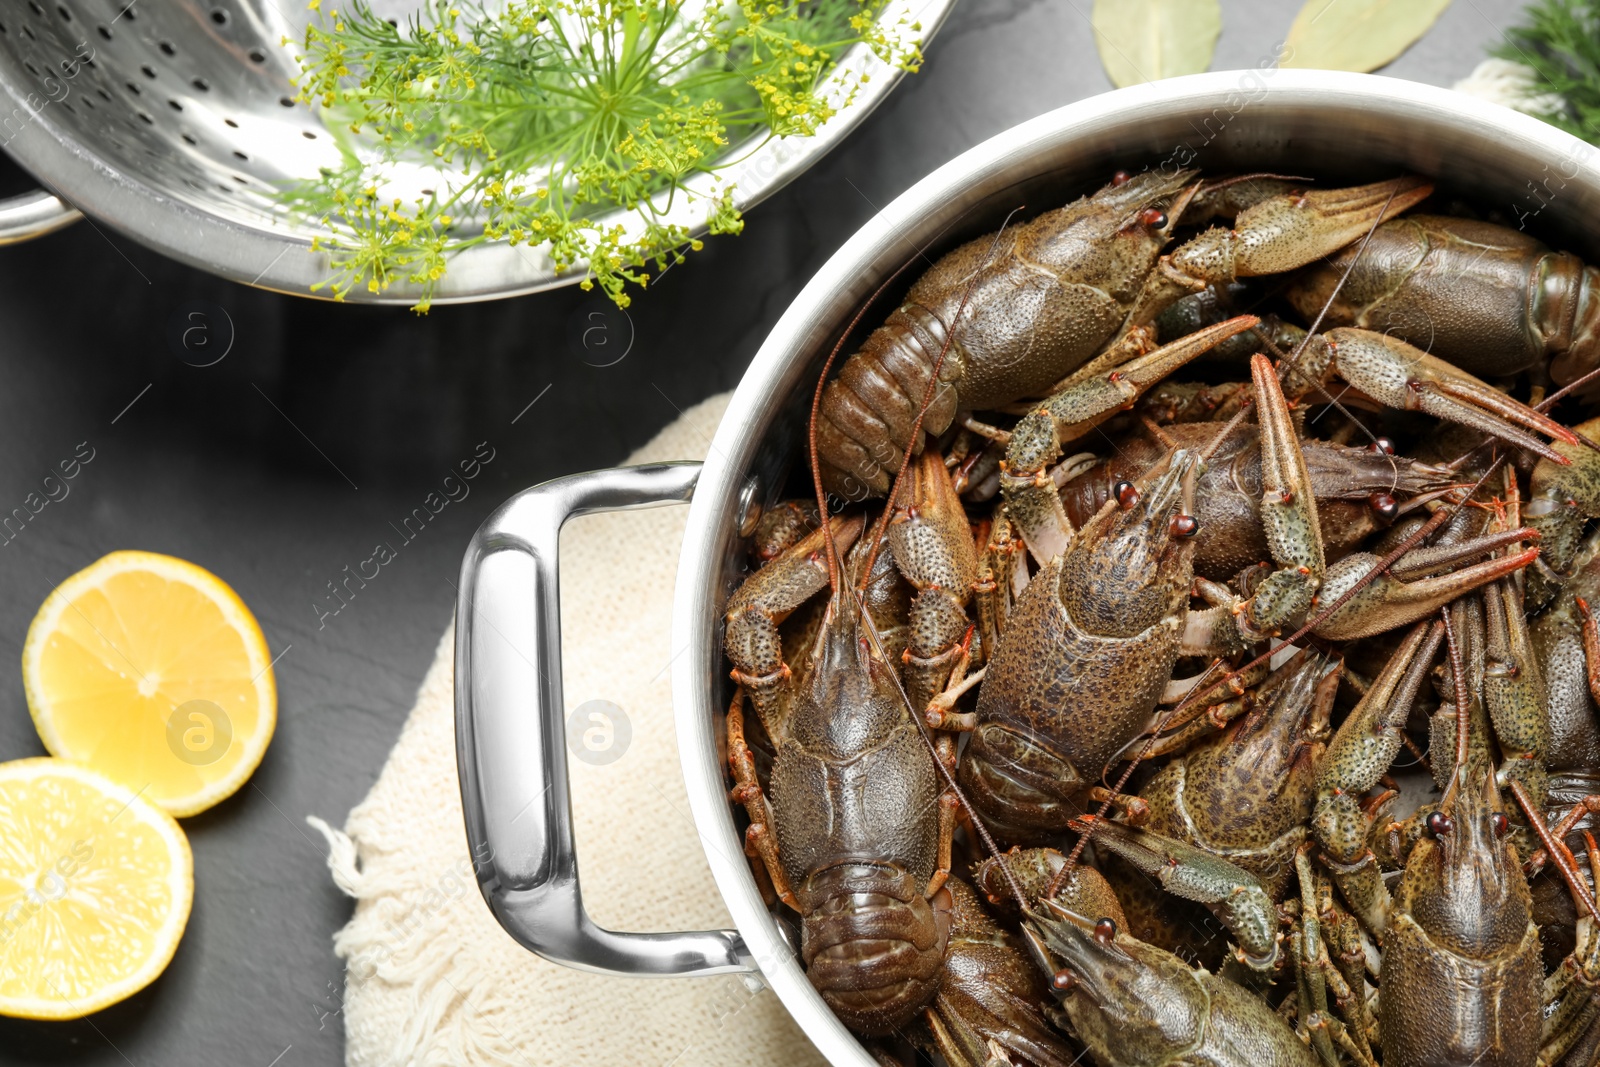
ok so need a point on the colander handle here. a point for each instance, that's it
(511, 737)
(30, 215)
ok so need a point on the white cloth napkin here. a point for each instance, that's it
(431, 979)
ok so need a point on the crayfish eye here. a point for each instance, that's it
(1384, 505)
(1382, 446)
(1127, 496)
(1154, 218)
(1499, 824)
(1064, 981)
(1121, 177)
(1184, 526)
(1439, 824)
(1105, 931)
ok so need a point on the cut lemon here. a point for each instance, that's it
(95, 887)
(152, 671)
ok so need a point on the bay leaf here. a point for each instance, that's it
(1142, 40)
(1359, 35)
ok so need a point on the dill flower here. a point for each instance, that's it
(540, 117)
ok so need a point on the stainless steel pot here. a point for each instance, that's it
(510, 734)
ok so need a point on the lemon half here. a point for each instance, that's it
(95, 888)
(153, 672)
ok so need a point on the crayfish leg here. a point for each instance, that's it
(760, 843)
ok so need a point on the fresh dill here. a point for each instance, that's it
(532, 120)
(1560, 41)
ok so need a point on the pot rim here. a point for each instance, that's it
(849, 276)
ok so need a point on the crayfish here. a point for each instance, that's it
(1185, 655)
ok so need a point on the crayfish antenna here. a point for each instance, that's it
(1459, 680)
(1226, 431)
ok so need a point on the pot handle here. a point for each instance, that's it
(511, 738)
(30, 215)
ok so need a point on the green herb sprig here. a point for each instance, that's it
(541, 116)
(1561, 42)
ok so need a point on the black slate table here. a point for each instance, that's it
(288, 460)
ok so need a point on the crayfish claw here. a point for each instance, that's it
(1390, 600)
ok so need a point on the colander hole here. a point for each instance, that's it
(240, 155)
(88, 103)
(67, 108)
(35, 8)
(225, 188)
(28, 33)
(146, 119)
(257, 56)
(167, 49)
(241, 181)
(308, 135)
(31, 68)
(104, 95)
(190, 140)
(201, 84)
(149, 72)
(134, 89)
(3, 30)
(128, 11)
(220, 17)
(104, 32)
(66, 16)
(191, 183)
(285, 101)
(174, 105)
(230, 122)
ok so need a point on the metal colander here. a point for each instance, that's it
(173, 120)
